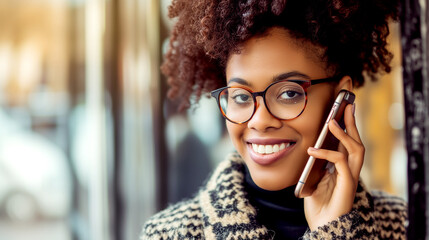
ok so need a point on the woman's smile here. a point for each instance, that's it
(266, 153)
(270, 149)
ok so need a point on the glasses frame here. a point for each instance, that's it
(305, 84)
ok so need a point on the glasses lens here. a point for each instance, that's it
(286, 100)
(237, 104)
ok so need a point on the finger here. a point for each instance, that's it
(354, 149)
(337, 158)
(344, 176)
(342, 149)
(356, 162)
(349, 143)
(350, 122)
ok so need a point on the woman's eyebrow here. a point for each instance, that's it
(276, 78)
(239, 81)
(292, 74)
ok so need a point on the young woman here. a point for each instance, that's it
(275, 67)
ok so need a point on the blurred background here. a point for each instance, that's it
(89, 148)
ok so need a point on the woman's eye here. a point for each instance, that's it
(241, 98)
(289, 95)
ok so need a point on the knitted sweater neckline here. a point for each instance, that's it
(278, 210)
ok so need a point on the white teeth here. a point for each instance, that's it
(268, 149)
(276, 148)
(261, 149)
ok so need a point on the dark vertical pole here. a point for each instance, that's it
(158, 119)
(114, 77)
(415, 56)
(159, 133)
(113, 102)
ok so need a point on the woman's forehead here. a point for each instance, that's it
(277, 52)
(276, 40)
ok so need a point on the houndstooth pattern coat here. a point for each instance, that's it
(221, 211)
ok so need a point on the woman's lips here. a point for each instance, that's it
(265, 153)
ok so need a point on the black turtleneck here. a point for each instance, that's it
(279, 211)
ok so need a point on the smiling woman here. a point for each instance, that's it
(275, 68)
(281, 57)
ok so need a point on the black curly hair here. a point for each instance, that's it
(352, 33)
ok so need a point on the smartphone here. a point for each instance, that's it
(315, 169)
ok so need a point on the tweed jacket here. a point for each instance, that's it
(220, 210)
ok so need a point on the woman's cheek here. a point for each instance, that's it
(235, 132)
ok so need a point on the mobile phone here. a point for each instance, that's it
(306, 185)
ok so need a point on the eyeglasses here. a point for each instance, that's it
(285, 99)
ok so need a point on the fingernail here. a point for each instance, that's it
(312, 149)
(336, 123)
(354, 109)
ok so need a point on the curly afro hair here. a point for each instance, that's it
(352, 33)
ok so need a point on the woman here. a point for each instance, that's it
(296, 56)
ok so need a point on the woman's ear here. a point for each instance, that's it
(345, 83)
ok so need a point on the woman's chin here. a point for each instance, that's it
(273, 178)
(273, 185)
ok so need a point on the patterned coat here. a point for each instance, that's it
(221, 211)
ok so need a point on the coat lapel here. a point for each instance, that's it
(227, 213)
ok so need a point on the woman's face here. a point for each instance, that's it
(258, 63)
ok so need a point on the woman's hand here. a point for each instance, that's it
(335, 193)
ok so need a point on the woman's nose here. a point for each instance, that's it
(262, 119)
